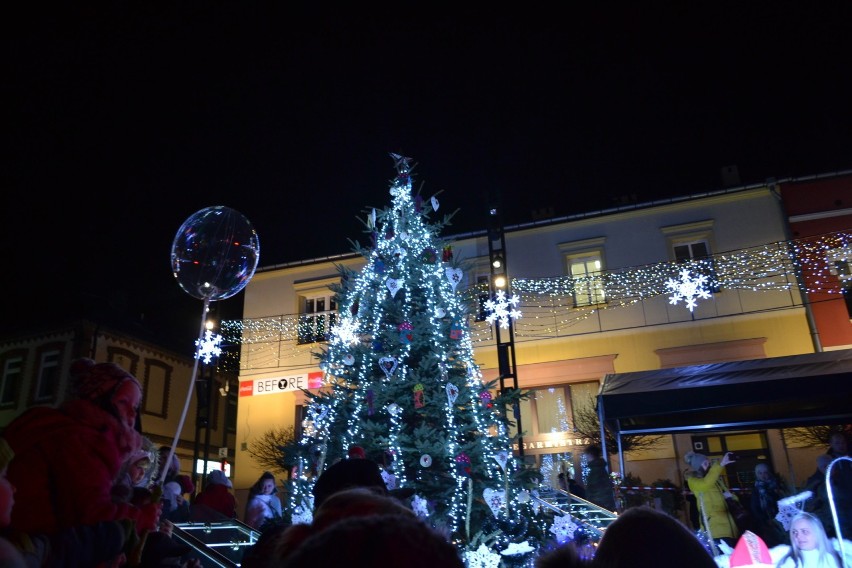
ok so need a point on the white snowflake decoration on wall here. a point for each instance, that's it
(503, 309)
(208, 347)
(689, 289)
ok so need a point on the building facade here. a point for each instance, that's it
(688, 281)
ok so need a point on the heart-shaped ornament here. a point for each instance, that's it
(454, 275)
(393, 285)
(388, 365)
(495, 498)
(452, 393)
(502, 457)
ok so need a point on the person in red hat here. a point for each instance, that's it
(67, 458)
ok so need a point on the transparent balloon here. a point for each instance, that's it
(215, 253)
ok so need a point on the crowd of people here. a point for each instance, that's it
(81, 486)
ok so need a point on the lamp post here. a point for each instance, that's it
(505, 345)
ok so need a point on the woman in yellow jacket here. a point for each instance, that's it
(713, 513)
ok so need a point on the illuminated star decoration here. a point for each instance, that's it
(688, 289)
(503, 309)
(208, 347)
(482, 557)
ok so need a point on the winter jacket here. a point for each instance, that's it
(713, 511)
(66, 462)
(599, 485)
(215, 502)
(260, 508)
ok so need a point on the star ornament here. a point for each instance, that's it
(208, 347)
(502, 309)
(688, 289)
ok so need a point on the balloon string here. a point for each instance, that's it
(171, 456)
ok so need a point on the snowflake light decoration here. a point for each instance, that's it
(345, 332)
(208, 347)
(689, 288)
(563, 528)
(503, 309)
(482, 557)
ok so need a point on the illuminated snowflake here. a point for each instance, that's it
(503, 309)
(688, 289)
(208, 347)
(563, 528)
(420, 507)
(482, 557)
(345, 332)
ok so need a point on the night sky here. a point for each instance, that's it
(122, 121)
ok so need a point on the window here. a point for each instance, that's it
(157, 384)
(588, 280)
(584, 263)
(692, 243)
(48, 376)
(12, 379)
(316, 317)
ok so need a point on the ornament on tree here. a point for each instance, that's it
(495, 498)
(405, 332)
(429, 255)
(379, 266)
(456, 330)
(485, 398)
(454, 275)
(400, 253)
(447, 255)
(440, 312)
(404, 235)
(378, 345)
(434, 201)
(388, 365)
(452, 393)
(394, 409)
(563, 528)
(482, 557)
(420, 506)
(426, 460)
(393, 285)
(348, 359)
(418, 395)
(517, 549)
(463, 463)
(502, 457)
(369, 398)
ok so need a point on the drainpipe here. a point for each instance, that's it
(800, 281)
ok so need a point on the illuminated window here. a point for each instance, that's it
(584, 262)
(317, 314)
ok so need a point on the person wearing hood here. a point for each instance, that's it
(215, 502)
(68, 458)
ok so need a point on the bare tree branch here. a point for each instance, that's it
(268, 450)
(587, 424)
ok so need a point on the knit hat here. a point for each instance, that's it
(751, 551)
(186, 484)
(97, 381)
(695, 460)
(346, 474)
(218, 477)
(6, 454)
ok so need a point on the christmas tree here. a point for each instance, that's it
(400, 380)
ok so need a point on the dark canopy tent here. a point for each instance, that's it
(778, 392)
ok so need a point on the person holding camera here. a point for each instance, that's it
(704, 481)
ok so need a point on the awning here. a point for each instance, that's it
(777, 392)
